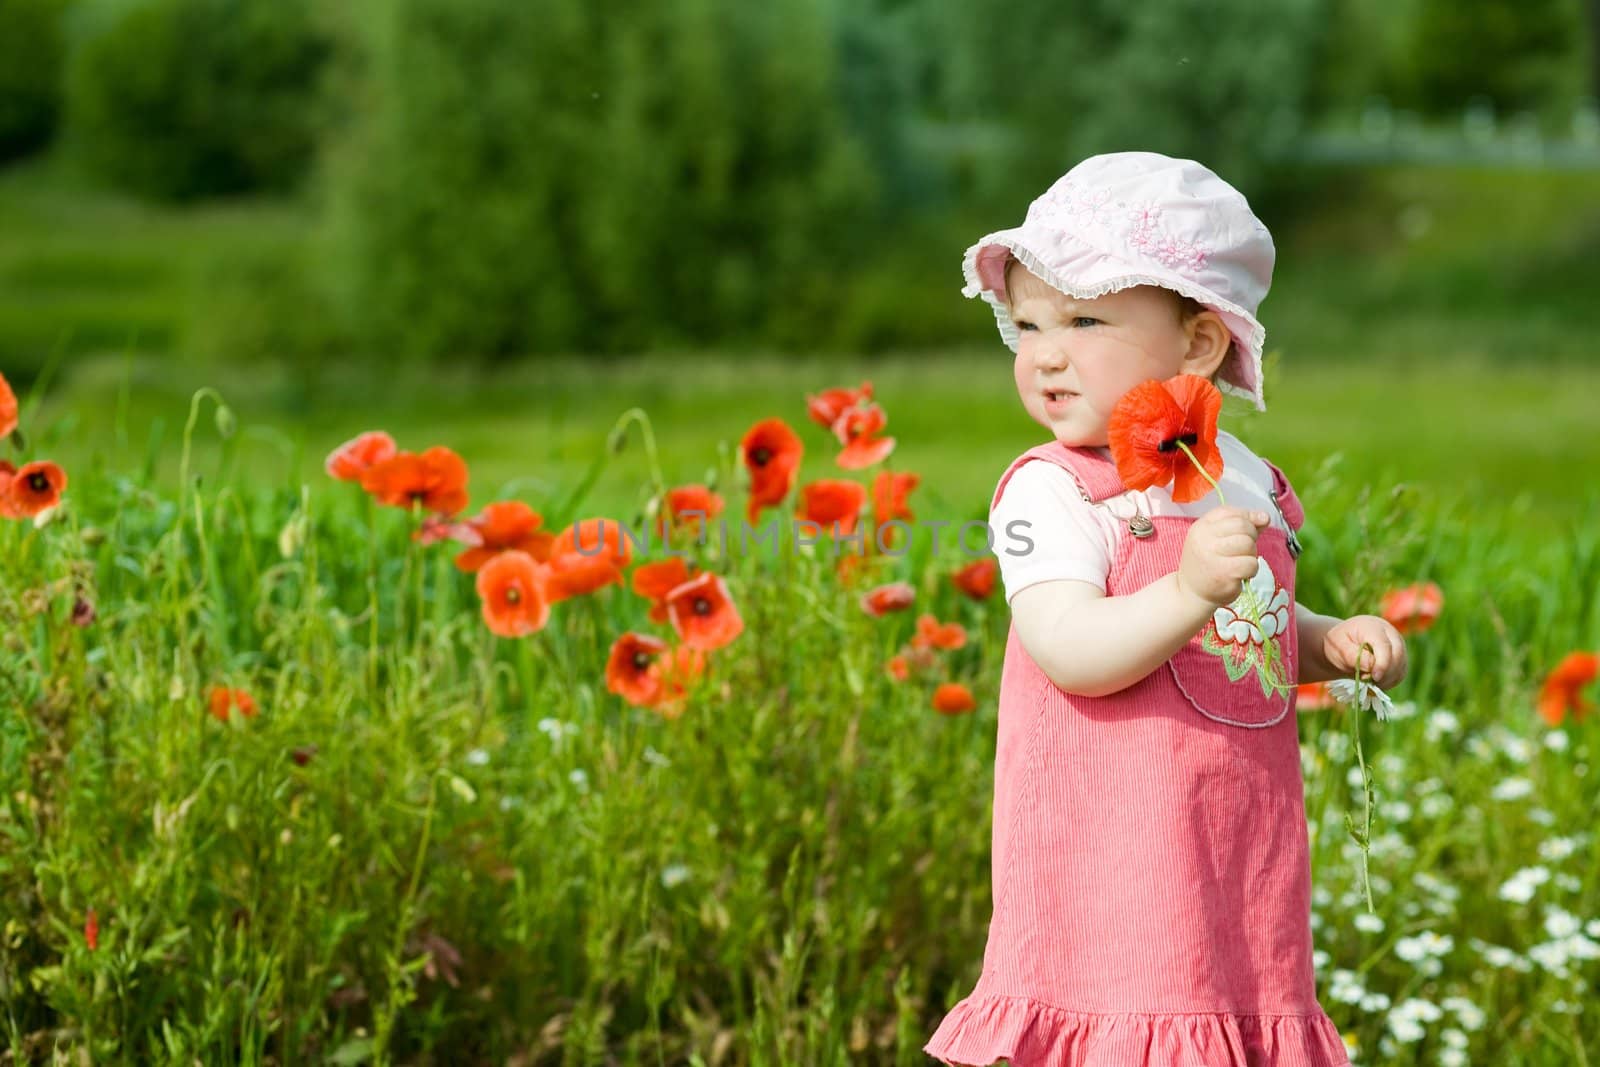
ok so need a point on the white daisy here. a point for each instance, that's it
(1362, 695)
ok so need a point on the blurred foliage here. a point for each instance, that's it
(494, 180)
(1222, 81)
(178, 99)
(30, 73)
(690, 174)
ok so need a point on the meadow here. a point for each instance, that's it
(428, 843)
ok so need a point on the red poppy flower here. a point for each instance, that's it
(91, 922)
(349, 460)
(896, 596)
(931, 633)
(772, 455)
(1560, 694)
(222, 700)
(889, 492)
(504, 526)
(703, 613)
(826, 407)
(436, 478)
(1149, 421)
(655, 580)
(1312, 696)
(587, 556)
(690, 505)
(647, 673)
(857, 429)
(898, 668)
(1414, 608)
(32, 488)
(977, 578)
(828, 501)
(512, 588)
(8, 408)
(953, 698)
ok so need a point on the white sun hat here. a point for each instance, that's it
(1141, 218)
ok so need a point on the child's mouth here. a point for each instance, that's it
(1057, 398)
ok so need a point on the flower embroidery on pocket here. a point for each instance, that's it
(1245, 644)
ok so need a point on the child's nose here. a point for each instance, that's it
(1049, 355)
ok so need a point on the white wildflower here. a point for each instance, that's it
(674, 875)
(1568, 883)
(1520, 887)
(1373, 1003)
(1425, 944)
(1500, 956)
(1552, 956)
(1364, 696)
(580, 778)
(1407, 1022)
(1542, 816)
(1395, 811)
(1368, 923)
(1512, 789)
(1437, 805)
(478, 757)
(654, 758)
(1404, 709)
(1560, 923)
(1469, 1014)
(1346, 987)
(1557, 741)
(1555, 849)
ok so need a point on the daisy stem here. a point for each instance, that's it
(1204, 473)
(1366, 785)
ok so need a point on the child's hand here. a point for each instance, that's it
(1385, 659)
(1219, 553)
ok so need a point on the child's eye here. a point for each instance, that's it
(1084, 318)
(1023, 324)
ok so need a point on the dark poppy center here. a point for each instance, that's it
(1171, 443)
(513, 595)
(702, 606)
(641, 660)
(38, 481)
(760, 455)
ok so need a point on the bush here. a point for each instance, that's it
(1219, 81)
(178, 99)
(572, 176)
(30, 74)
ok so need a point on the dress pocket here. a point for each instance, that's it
(1240, 669)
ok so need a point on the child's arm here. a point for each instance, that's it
(1092, 644)
(1332, 647)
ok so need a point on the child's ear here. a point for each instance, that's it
(1209, 341)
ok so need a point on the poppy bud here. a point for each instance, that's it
(711, 478)
(82, 611)
(18, 441)
(226, 422)
(617, 440)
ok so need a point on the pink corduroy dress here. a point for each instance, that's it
(1151, 873)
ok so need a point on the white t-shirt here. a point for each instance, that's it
(1072, 538)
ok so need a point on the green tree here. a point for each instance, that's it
(1515, 52)
(30, 73)
(185, 98)
(595, 176)
(1221, 81)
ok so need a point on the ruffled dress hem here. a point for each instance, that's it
(982, 1030)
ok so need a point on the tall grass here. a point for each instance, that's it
(434, 845)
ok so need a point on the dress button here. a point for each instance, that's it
(1140, 526)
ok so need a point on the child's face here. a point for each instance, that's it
(1075, 358)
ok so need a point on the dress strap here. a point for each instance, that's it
(1095, 474)
(1294, 513)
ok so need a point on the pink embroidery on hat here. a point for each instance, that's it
(1139, 227)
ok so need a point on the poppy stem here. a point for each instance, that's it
(638, 415)
(1364, 839)
(1203, 473)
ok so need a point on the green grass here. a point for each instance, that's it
(489, 855)
(1468, 433)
